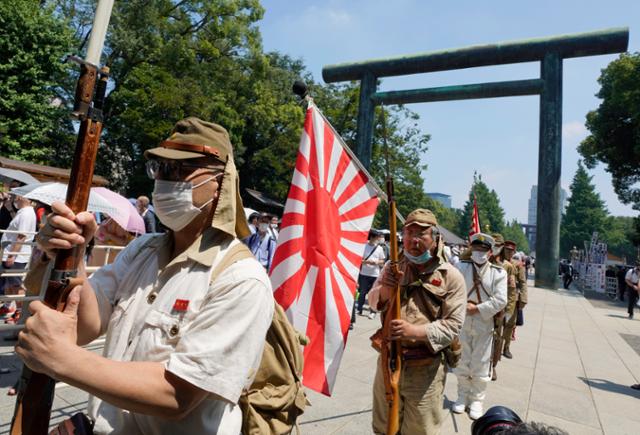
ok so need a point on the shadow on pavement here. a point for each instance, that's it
(603, 384)
(9, 370)
(447, 407)
(333, 417)
(620, 316)
(601, 300)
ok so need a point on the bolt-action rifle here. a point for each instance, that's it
(496, 344)
(391, 352)
(36, 391)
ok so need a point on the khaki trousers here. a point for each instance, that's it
(421, 397)
(509, 325)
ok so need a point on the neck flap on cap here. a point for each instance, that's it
(229, 215)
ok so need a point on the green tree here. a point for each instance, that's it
(619, 234)
(615, 127)
(406, 144)
(585, 213)
(204, 58)
(33, 43)
(489, 209)
(169, 60)
(513, 231)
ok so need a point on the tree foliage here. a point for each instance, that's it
(489, 210)
(513, 231)
(405, 142)
(171, 59)
(615, 127)
(33, 43)
(620, 235)
(585, 213)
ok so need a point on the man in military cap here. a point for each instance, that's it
(486, 285)
(521, 296)
(510, 312)
(180, 347)
(499, 255)
(433, 305)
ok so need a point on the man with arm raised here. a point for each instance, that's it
(179, 348)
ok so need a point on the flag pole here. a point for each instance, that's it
(299, 88)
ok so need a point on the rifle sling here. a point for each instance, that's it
(477, 284)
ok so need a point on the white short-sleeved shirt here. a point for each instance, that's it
(374, 252)
(216, 343)
(632, 276)
(25, 222)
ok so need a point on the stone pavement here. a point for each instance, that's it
(572, 368)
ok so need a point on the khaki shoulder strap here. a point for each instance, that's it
(477, 284)
(235, 253)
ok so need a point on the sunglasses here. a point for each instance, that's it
(171, 169)
(416, 234)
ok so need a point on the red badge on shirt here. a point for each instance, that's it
(436, 282)
(181, 305)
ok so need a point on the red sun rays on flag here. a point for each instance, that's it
(326, 220)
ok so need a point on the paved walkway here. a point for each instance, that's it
(572, 367)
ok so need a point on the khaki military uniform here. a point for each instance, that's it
(521, 284)
(512, 297)
(438, 293)
(520, 302)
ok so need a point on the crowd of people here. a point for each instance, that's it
(163, 298)
(19, 221)
(475, 295)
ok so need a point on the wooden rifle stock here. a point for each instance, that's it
(391, 350)
(36, 391)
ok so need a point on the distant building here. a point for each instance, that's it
(442, 198)
(533, 214)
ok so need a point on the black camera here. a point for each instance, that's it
(495, 420)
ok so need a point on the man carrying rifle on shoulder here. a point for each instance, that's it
(486, 285)
(180, 346)
(502, 253)
(432, 312)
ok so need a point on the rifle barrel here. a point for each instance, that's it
(36, 390)
(395, 355)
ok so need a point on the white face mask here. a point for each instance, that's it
(263, 227)
(173, 202)
(479, 257)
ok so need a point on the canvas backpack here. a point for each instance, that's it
(276, 398)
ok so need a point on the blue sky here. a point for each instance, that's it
(496, 137)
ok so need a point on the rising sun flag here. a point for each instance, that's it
(326, 220)
(475, 218)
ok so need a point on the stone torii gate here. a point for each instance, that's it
(549, 51)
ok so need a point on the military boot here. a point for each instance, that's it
(506, 353)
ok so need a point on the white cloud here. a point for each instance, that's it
(574, 131)
(326, 17)
(338, 17)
